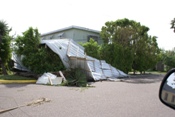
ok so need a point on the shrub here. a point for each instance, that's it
(75, 77)
(38, 58)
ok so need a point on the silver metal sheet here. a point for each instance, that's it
(72, 55)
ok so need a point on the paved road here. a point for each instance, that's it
(130, 98)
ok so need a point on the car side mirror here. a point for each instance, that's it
(167, 89)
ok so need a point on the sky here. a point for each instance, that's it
(50, 15)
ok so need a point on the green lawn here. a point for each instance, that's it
(9, 79)
(150, 72)
(156, 72)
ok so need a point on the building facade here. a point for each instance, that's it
(78, 34)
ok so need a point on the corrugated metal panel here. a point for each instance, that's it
(91, 66)
(73, 56)
(118, 73)
(105, 65)
(108, 73)
(96, 76)
(96, 68)
(18, 64)
(75, 50)
(59, 46)
(78, 62)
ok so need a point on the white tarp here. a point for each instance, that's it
(72, 55)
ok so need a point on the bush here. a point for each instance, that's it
(118, 56)
(92, 48)
(75, 77)
(38, 58)
(47, 61)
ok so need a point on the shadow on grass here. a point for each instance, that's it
(15, 85)
(15, 77)
(16, 81)
(144, 79)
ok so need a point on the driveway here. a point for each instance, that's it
(133, 97)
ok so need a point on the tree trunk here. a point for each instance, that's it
(3, 67)
(0, 39)
(134, 72)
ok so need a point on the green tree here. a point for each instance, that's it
(146, 54)
(133, 36)
(28, 43)
(5, 50)
(169, 58)
(92, 48)
(122, 31)
(173, 24)
(38, 58)
(118, 56)
(152, 51)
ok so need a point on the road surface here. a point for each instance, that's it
(135, 97)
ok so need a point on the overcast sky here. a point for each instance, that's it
(49, 15)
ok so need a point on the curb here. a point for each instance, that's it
(17, 81)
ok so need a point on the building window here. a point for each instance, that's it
(43, 38)
(60, 35)
(95, 38)
(51, 37)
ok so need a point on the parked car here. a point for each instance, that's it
(167, 89)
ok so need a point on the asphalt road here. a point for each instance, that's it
(131, 98)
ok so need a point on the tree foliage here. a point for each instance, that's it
(92, 48)
(118, 56)
(122, 31)
(131, 35)
(38, 58)
(28, 43)
(168, 58)
(173, 24)
(75, 77)
(5, 50)
(146, 54)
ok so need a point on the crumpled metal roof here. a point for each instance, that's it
(17, 62)
(73, 56)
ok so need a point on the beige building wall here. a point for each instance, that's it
(77, 35)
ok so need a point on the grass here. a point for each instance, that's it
(9, 79)
(150, 72)
(17, 81)
(156, 72)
